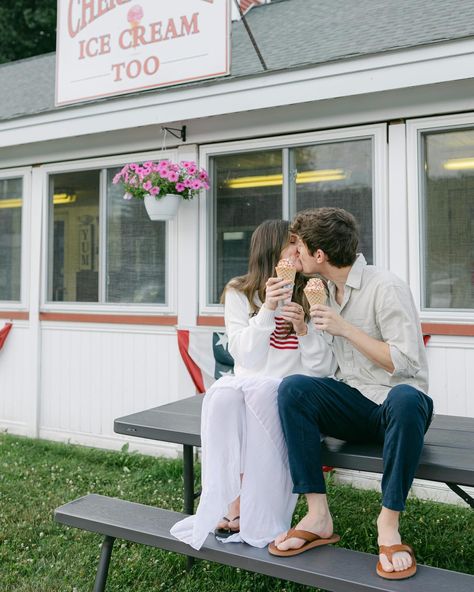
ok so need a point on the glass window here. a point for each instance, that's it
(119, 257)
(447, 220)
(337, 174)
(136, 250)
(11, 194)
(248, 189)
(74, 240)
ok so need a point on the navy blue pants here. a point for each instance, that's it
(311, 406)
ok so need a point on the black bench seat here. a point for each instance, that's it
(331, 568)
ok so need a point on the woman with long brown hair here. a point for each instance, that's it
(245, 476)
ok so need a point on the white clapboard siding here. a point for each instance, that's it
(92, 374)
(16, 379)
(451, 362)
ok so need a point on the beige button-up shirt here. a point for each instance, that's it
(380, 304)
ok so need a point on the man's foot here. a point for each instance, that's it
(389, 535)
(320, 525)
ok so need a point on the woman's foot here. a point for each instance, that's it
(231, 521)
(229, 524)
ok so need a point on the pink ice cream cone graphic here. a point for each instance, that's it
(135, 15)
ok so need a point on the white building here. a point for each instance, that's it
(366, 105)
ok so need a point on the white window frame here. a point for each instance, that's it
(377, 132)
(171, 241)
(414, 130)
(23, 303)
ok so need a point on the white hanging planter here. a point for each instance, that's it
(164, 208)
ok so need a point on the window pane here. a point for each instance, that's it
(339, 175)
(11, 193)
(448, 213)
(136, 250)
(74, 240)
(247, 190)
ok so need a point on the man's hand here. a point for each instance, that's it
(327, 319)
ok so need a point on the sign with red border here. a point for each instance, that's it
(112, 47)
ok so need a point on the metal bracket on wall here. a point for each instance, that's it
(181, 135)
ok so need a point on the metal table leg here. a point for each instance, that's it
(104, 561)
(188, 468)
(462, 494)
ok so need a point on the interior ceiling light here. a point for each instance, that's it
(274, 180)
(58, 199)
(458, 164)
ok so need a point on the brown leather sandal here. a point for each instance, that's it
(396, 575)
(312, 540)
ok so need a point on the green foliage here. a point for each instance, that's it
(28, 28)
(38, 555)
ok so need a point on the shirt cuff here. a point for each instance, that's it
(402, 365)
(265, 319)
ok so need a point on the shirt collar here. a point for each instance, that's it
(354, 279)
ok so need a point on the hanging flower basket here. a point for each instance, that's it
(164, 208)
(156, 181)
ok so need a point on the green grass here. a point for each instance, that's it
(38, 555)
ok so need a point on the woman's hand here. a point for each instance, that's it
(294, 313)
(276, 289)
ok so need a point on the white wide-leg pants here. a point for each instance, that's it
(241, 434)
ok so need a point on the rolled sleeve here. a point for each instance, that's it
(400, 329)
(403, 366)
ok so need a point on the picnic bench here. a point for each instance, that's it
(448, 456)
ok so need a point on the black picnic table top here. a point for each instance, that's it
(448, 453)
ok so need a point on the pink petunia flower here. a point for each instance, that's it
(203, 175)
(192, 168)
(147, 186)
(196, 184)
(173, 176)
(164, 173)
(180, 187)
(154, 190)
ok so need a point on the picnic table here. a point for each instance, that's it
(448, 456)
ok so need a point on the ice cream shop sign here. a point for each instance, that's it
(109, 47)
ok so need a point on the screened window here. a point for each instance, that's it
(11, 198)
(447, 220)
(250, 187)
(102, 248)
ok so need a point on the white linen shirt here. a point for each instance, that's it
(381, 304)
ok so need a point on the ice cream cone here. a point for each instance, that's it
(286, 270)
(315, 292)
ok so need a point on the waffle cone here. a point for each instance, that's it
(286, 273)
(315, 296)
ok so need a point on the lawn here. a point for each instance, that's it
(38, 555)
